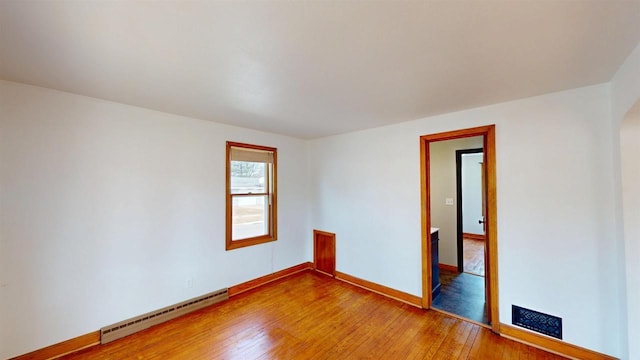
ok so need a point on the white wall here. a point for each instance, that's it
(472, 193)
(625, 92)
(556, 222)
(442, 156)
(107, 209)
(630, 150)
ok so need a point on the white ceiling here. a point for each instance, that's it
(310, 69)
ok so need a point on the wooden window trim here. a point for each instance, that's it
(273, 211)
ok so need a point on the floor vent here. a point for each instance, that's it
(138, 323)
(529, 319)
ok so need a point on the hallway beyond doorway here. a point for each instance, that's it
(473, 256)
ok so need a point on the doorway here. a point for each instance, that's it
(487, 134)
(470, 234)
(630, 182)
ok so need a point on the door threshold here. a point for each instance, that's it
(461, 317)
(470, 273)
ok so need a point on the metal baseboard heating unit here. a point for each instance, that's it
(138, 323)
(533, 320)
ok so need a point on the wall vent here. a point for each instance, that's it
(138, 323)
(533, 320)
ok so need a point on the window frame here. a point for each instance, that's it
(271, 192)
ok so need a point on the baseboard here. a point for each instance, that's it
(252, 284)
(508, 331)
(550, 344)
(93, 338)
(381, 289)
(473, 236)
(324, 273)
(60, 349)
(448, 267)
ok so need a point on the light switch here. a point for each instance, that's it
(448, 201)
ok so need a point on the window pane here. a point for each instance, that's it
(248, 177)
(250, 217)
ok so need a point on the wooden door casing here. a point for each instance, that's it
(491, 211)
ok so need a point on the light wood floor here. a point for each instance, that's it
(312, 316)
(473, 256)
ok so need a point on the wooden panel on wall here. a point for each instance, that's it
(324, 252)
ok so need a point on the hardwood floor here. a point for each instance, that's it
(313, 316)
(473, 256)
(463, 293)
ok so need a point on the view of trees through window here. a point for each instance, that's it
(247, 169)
(249, 211)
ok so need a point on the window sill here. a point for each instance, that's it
(236, 244)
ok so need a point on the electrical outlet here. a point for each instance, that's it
(188, 283)
(448, 201)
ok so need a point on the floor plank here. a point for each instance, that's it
(473, 252)
(462, 294)
(313, 316)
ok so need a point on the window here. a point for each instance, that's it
(251, 195)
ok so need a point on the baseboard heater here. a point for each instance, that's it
(138, 323)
